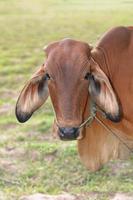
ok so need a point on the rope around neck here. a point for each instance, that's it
(90, 119)
(87, 122)
(113, 133)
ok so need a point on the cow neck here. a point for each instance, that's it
(93, 110)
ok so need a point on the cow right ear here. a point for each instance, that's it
(33, 95)
(102, 92)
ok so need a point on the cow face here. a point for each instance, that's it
(68, 74)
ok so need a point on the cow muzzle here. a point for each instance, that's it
(68, 133)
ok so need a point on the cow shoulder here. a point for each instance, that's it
(118, 37)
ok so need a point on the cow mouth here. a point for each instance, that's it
(68, 134)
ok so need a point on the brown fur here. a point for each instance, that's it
(110, 63)
(114, 56)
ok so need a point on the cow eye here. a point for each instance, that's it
(47, 76)
(86, 77)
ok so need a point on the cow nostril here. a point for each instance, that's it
(68, 133)
(61, 131)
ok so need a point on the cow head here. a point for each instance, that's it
(70, 76)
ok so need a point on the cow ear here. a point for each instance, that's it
(102, 93)
(48, 48)
(33, 95)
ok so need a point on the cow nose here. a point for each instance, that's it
(68, 133)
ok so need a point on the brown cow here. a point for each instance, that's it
(73, 74)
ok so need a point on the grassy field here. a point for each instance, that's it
(30, 159)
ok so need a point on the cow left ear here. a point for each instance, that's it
(102, 93)
(33, 95)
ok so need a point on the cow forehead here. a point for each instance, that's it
(71, 42)
(68, 54)
(67, 46)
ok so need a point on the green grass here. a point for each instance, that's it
(30, 160)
